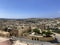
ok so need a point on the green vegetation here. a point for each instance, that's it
(36, 31)
(56, 30)
(47, 33)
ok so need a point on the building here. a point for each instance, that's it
(4, 33)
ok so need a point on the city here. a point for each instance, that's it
(32, 30)
(29, 22)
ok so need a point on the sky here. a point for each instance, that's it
(29, 8)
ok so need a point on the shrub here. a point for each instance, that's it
(48, 33)
(36, 31)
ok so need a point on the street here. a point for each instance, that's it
(58, 37)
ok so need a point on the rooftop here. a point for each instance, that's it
(3, 39)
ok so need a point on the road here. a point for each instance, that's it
(57, 36)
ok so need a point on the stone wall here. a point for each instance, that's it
(41, 38)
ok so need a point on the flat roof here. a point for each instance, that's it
(35, 35)
(3, 39)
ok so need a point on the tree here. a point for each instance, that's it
(36, 31)
(48, 33)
